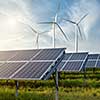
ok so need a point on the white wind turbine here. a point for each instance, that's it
(36, 33)
(77, 32)
(54, 24)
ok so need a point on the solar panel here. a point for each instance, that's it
(7, 69)
(93, 56)
(98, 64)
(50, 54)
(78, 56)
(30, 64)
(93, 61)
(71, 66)
(91, 64)
(33, 69)
(24, 55)
(5, 55)
(73, 62)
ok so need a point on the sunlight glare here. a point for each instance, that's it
(11, 22)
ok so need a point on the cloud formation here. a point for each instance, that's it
(33, 11)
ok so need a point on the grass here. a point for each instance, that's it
(46, 93)
(71, 87)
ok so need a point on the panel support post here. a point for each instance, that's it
(17, 84)
(84, 79)
(56, 77)
(93, 70)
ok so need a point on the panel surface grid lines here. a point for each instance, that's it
(24, 55)
(78, 56)
(92, 56)
(74, 63)
(33, 70)
(92, 60)
(7, 69)
(90, 64)
(73, 66)
(16, 68)
(66, 56)
(48, 54)
(5, 55)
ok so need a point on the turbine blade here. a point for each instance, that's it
(46, 23)
(58, 6)
(80, 33)
(43, 32)
(70, 21)
(29, 27)
(62, 31)
(57, 11)
(82, 18)
(32, 29)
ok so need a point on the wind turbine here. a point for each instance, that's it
(36, 33)
(77, 31)
(37, 38)
(54, 24)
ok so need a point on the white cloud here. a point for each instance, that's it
(33, 11)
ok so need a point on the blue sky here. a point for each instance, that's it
(20, 36)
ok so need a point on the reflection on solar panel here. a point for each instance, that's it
(5, 55)
(29, 64)
(93, 61)
(73, 62)
(24, 55)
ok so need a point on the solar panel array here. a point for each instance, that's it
(73, 62)
(40, 63)
(93, 61)
(29, 64)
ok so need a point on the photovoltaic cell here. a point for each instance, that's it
(60, 66)
(78, 56)
(7, 69)
(73, 62)
(24, 55)
(90, 64)
(92, 56)
(66, 56)
(29, 64)
(50, 54)
(93, 61)
(73, 66)
(33, 69)
(5, 55)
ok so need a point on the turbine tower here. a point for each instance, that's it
(77, 30)
(37, 38)
(54, 24)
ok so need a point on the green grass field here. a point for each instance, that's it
(71, 87)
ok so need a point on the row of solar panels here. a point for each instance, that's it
(41, 63)
(77, 61)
